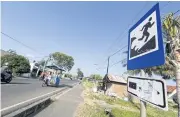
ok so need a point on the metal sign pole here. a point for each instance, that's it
(142, 103)
(45, 64)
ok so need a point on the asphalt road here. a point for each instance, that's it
(22, 89)
(65, 106)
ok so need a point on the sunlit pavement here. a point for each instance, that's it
(22, 89)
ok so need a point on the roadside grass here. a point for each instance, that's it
(87, 110)
(122, 113)
(87, 85)
(155, 112)
(151, 111)
(120, 108)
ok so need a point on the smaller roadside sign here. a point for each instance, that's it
(152, 91)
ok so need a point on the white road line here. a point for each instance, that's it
(6, 108)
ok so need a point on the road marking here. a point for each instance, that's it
(3, 85)
(64, 92)
(28, 100)
(6, 108)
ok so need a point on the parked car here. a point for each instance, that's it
(6, 74)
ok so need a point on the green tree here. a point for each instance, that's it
(12, 51)
(66, 61)
(42, 62)
(17, 63)
(79, 73)
(96, 76)
(68, 75)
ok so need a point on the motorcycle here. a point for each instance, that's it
(6, 74)
(45, 83)
(53, 82)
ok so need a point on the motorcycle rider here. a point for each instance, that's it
(48, 78)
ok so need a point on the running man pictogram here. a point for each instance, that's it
(145, 31)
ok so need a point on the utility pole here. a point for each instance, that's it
(106, 75)
(49, 58)
(45, 64)
(142, 103)
(108, 66)
(38, 70)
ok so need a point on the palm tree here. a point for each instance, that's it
(171, 68)
(166, 70)
(171, 28)
(171, 35)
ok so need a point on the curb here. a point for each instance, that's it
(33, 105)
(56, 97)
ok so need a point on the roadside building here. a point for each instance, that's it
(171, 91)
(115, 86)
(54, 68)
(3, 52)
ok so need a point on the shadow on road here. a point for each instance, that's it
(61, 85)
(14, 83)
(64, 85)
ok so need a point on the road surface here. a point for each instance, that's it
(65, 106)
(22, 89)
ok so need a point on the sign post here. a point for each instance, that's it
(145, 50)
(142, 103)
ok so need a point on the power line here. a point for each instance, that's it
(136, 17)
(126, 46)
(119, 50)
(127, 29)
(121, 34)
(20, 42)
(118, 62)
(131, 23)
(175, 18)
(114, 54)
(166, 5)
(140, 12)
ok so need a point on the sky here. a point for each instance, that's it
(87, 31)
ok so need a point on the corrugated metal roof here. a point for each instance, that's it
(170, 89)
(56, 67)
(116, 78)
(3, 52)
